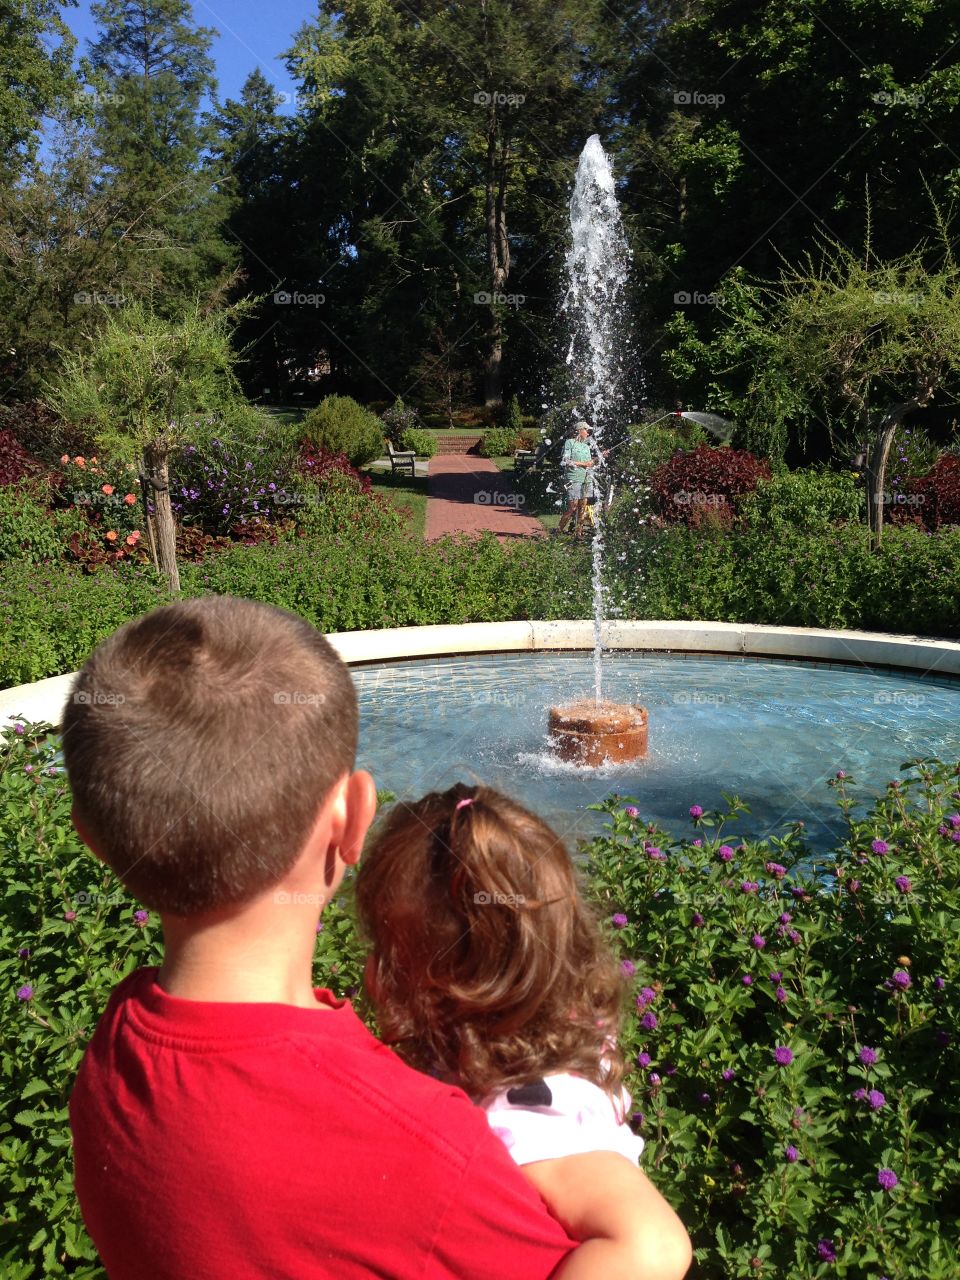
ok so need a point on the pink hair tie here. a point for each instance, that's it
(462, 804)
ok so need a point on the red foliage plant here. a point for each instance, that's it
(15, 462)
(706, 480)
(318, 463)
(939, 493)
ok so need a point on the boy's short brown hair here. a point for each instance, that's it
(200, 742)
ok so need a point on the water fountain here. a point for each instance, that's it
(593, 732)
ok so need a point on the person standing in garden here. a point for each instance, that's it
(577, 461)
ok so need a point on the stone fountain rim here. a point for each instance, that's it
(43, 699)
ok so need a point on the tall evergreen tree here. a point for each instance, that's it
(36, 77)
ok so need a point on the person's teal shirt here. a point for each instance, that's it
(576, 451)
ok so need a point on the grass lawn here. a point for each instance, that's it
(409, 492)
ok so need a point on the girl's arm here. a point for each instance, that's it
(627, 1228)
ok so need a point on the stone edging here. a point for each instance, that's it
(44, 699)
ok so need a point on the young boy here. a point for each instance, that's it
(228, 1119)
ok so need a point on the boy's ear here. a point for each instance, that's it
(84, 834)
(361, 807)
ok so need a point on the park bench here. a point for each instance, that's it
(402, 459)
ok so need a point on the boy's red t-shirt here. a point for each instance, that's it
(264, 1140)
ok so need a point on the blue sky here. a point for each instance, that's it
(253, 33)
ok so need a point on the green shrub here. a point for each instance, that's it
(805, 501)
(739, 952)
(511, 418)
(340, 425)
(397, 420)
(29, 531)
(500, 442)
(423, 443)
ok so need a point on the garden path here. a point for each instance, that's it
(469, 494)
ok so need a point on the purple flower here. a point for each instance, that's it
(698, 844)
(780, 995)
(867, 1056)
(140, 918)
(18, 730)
(826, 1250)
(704, 1098)
(859, 1095)
(638, 1118)
(853, 886)
(28, 768)
(782, 1055)
(758, 941)
(728, 1074)
(656, 854)
(939, 983)
(24, 953)
(786, 918)
(649, 1021)
(880, 846)
(941, 1039)
(791, 1153)
(319, 926)
(776, 977)
(25, 992)
(725, 853)
(876, 1100)
(841, 773)
(697, 920)
(632, 811)
(643, 1059)
(903, 884)
(653, 1078)
(619, 921)
(775, 869)
(794, 937)
(798, 893)
(902, 979)
(670, 1069)
(647, 996)
(749, 886)
(887, 1179)
(747, 980)
(69, 916)
(696, 811)
(954, 820)
(628, 968)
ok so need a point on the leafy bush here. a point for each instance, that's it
(705, 477)
(340, 425)
(939, 492)
(399, 419)
(317, 464)
(422, 443)
(16, 463)
(805, 501)
(511, 419)
(501, 442)
(221, 488)
(793, 1033)
(41, 432)
(29, 532)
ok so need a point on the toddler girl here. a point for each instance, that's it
(488, 971)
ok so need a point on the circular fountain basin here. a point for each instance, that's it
(596, 733)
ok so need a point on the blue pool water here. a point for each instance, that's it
(771, 732)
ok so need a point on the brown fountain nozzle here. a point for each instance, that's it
(590, 733)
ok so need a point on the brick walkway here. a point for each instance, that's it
(468, 494)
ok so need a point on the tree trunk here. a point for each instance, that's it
(157, 470)
(498, 253)
(877, 477)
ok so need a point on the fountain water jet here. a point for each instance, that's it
(585, 732)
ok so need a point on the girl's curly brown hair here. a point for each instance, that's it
(487, 965)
